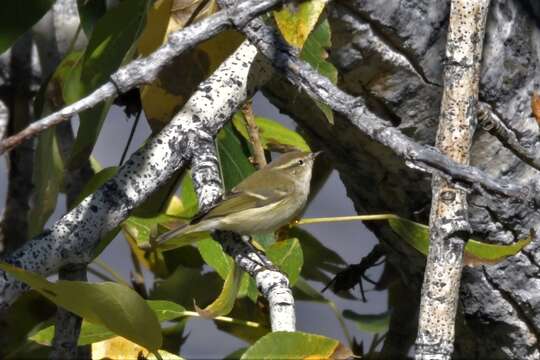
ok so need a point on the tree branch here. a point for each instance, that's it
(426, 158)
(14, 225)
(144, 71)
(449, 222)
(493, 124)
(273, 284)
(73, 238)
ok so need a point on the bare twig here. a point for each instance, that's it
(449, 223)
(254, 136)
(496, 127)
(144, 71)
(73, 237)
(273, 284)
(425, 158)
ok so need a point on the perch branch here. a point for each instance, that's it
(72, 239)
(426, 158)
(448, 222)
(145, 70)
(273, 285)
(508, 138)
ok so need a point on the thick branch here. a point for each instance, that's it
(146, 70)
(426, 158)
(273, 284)
(449, 223)
(72, 238)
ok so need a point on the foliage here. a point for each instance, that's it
(192, 270)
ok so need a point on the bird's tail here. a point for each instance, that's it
(178, 231)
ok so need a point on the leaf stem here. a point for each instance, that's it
(115, 275)
(374, 217)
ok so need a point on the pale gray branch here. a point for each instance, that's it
(72, 239)
(426, 158)
(145, 70)
(449, 222)
(273, 284)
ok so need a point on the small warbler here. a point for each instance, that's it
(264, 201)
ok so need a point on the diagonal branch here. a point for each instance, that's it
(273, 284)
(145, 70)
(449, 222)
(426, 158)
(72, 239)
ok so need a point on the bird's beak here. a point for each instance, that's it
(317, 153)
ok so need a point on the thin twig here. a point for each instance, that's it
(145, 70)
(130, 137)
(425, 158)
(448, 222)
(508, 138)
(254, 135)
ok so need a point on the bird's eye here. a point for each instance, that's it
(300, 162)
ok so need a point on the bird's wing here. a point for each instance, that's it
(244, 200)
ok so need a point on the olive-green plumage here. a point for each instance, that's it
(264, 201)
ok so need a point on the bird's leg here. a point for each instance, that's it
(263, 262)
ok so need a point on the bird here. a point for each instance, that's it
(263, 202)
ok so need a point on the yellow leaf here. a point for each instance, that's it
(118, 348)
(296, 21)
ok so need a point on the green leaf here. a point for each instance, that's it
(233, 157)
(315, 52)
(287, 256)
(184, 278)
(296, 20)
(47, 177)
(370, 323)
(274, 136)
(112, 305)
(224, 303)
(90, 11)
(476, 252)
(91, 333)
(17, 17)
(296, 345)
(246, 310)
(111, 43)
(213, 254)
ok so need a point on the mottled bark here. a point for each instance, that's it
(392, 56)
(448, 221)
(17, 93)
